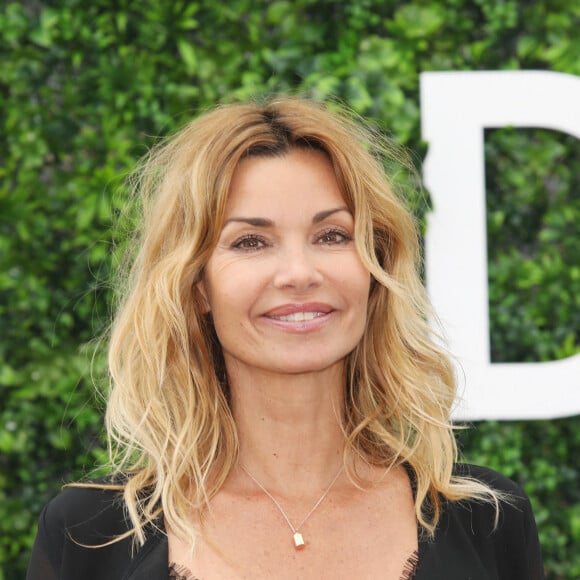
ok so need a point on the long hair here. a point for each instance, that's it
(169, 420)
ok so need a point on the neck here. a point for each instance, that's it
(289, 427)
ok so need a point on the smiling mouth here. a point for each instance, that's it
(299, 316)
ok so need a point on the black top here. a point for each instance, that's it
(465, 545)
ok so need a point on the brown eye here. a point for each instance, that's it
(249, 243)
(334, 236)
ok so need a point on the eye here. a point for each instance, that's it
(333, 236)
(249, 243)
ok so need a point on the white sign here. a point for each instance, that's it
(456, 107)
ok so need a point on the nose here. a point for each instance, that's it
(298, 269)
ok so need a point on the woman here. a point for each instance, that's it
(279, 408)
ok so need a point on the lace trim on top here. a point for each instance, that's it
(411, 566)
(177, 572)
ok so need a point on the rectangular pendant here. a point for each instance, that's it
(298, 541)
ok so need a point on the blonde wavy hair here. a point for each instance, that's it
(169, 422)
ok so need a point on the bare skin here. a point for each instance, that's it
(288, 296)
(354, 533)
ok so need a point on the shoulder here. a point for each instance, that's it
(89, 512)
(488, 476)
(83, 533)
(513, 505)
(502, 533)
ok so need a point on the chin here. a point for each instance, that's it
(305, 367)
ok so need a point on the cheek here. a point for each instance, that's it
(355, 287)
(360, 297)
(359, 282)
(232, 302)
(214, 286)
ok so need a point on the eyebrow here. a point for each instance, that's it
(266, 223)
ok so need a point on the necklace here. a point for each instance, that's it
(297, 537)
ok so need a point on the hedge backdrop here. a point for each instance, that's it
(86, 87)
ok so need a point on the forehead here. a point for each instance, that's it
(301, 178)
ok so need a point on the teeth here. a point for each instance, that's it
(299, 316)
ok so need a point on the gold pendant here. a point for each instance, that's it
(298, 541)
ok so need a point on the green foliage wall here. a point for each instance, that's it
(86, 87)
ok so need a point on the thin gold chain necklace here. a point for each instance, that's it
(297, 537)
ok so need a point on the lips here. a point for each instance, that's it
(299, 312)
(298, 316)
(300, 319)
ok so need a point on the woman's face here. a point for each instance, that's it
(285, 285)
